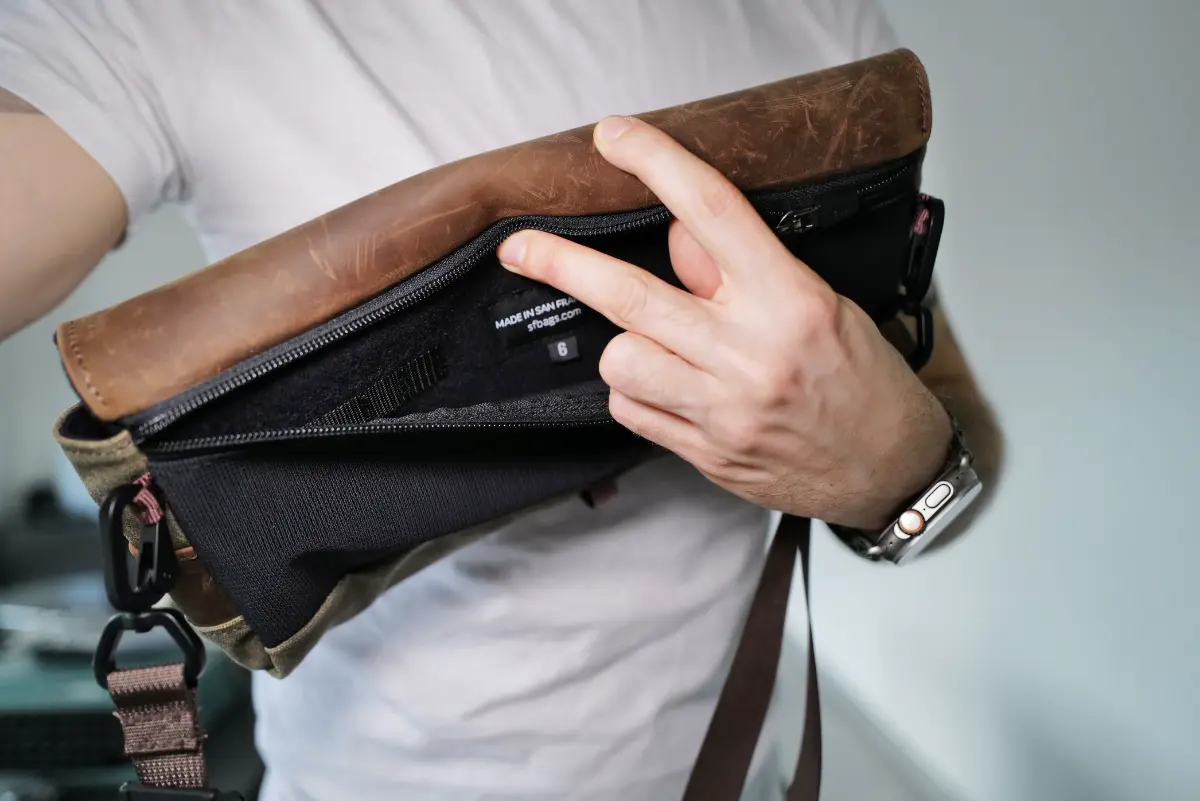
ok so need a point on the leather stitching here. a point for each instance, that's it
(918, 71)
(77, 353)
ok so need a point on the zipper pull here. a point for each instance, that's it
(830, 211)
(796, 222)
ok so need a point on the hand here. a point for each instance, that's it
(761, 376)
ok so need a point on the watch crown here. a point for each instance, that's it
(911, 522)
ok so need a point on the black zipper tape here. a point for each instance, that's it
(317, 432)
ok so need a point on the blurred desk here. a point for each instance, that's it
(56, 723)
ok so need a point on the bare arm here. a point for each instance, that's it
(949, 377)
(60, 213)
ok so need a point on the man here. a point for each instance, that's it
(568, 655)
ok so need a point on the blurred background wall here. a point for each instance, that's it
(33, 388)
(1053, 653)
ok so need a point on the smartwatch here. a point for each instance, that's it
(925, 517)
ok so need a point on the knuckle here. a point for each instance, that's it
(720, 197)
(738, 433)
(719, 465)
(617, 361)
(817, 315)
(769, 382)
(623, 411)
(541, 255)
(617, 410)
(772, 387)
(631, 300)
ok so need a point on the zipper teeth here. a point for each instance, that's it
(903, 171)
(201, 443)
(464, 261)
(882, 182)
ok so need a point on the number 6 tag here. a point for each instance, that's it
(564, 350)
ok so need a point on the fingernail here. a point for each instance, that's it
(610, 128)
(511, 252)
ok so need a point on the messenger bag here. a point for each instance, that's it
(278, 438)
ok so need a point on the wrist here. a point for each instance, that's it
(914, 460)
(928, 515)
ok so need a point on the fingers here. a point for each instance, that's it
(695, 268)
(713, 209)
(662, 428)
(646, 372)
(627, 295)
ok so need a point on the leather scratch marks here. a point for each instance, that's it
(364, 257)
(318, 254)
(832, 153)
(805, 100)
(403, 226)
(862, 90)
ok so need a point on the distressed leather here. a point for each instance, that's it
(146, 350)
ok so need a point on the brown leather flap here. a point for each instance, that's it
(146, 350)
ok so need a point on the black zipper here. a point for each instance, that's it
(809, 209)
(294, 434)
(788, 211)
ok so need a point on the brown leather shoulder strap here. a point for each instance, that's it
(722, 767)
(806, 780)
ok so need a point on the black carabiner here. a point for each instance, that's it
(156, 562)
(105, 660)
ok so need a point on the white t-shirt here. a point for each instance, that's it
(578, 653)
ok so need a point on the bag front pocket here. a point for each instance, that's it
(280, 517)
